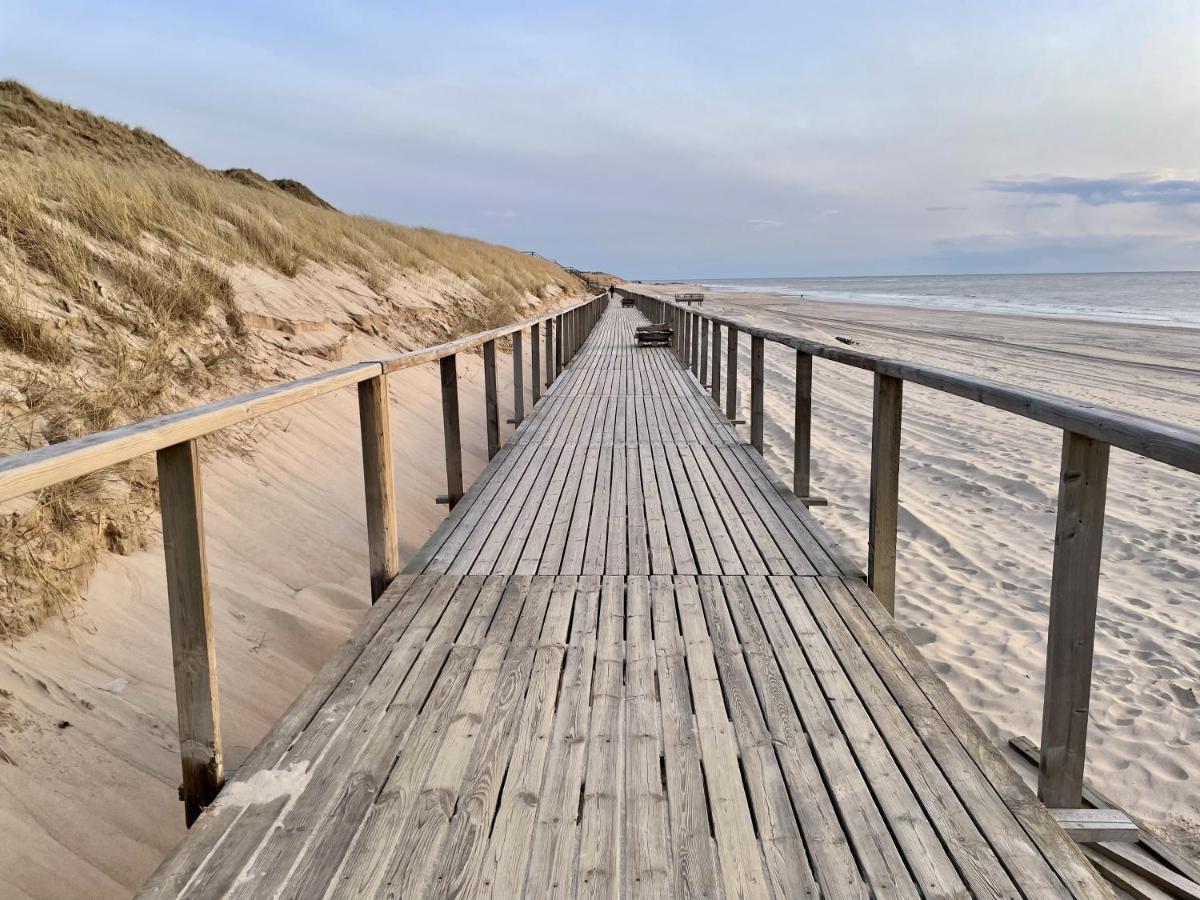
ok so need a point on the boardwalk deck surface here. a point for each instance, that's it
(629, 664)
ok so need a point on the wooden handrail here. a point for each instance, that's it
(23, 473)
(1174, 445)
(1088, 433)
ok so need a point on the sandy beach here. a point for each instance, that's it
(978, 492)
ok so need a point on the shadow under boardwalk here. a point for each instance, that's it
(630, 663)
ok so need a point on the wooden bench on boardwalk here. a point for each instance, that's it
(690, 298)
(630, 662)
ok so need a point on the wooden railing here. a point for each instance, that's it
(1088, 433)
(173, 438)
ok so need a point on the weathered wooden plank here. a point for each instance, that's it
(601, 848)
(696, 872)
(1091, 826)
(505, 867)
(551, 871)
(1070, 639)
(379, 482)
(1154, 845)
(885, 489)
(193, 652)
(1058, 850)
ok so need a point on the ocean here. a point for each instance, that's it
(1154, 298)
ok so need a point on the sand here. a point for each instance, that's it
(978, 495)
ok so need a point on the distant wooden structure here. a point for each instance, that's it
(630, 662)
(690, 298)
(655, 335)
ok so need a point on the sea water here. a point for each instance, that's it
(1155, 298)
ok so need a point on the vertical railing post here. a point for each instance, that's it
(450, 430)
(731, 373)
(193, 653)
(704, 352)
(518, 360)
(491, 400)
(802, 457)
(560, 345)
(549, 352)
(715, 384)
(1074, 584)
(695, 354)
(757, 345)
(885, 489)
(688, 347)
(535, 362)
(379, 481)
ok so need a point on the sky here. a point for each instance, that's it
(662, 140)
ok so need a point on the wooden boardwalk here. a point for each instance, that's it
(630, 663)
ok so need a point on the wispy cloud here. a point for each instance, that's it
(945, 208)
(765, 223)
(501, 214)
(1104, 191)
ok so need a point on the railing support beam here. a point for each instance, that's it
(549, 352)
(704, 352)
(885, 489)
(450, 429)
(757, 375)
(379, 483)
(802, 456)
(518, 354)
(731, 373)
(193, 652)
(1074, 584)
(491, 400)
(715, 384)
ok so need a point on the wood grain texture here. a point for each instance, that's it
(451, 434)
(731, 372)
(1071, 636)
(491, 399)
(379, 483)
(757, 388)
(518, 379)
(193, 651)
(802, 427)
(885, 489)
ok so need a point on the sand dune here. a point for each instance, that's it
(978, 497)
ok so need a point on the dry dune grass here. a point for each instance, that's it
(116, 304)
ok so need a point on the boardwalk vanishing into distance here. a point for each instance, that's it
(630, 663)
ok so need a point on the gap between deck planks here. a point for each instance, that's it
(628, 664)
